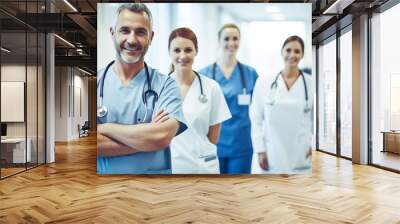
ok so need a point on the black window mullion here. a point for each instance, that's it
(369, 81)
(338, 98)
(45, 86)
(26, 86)
(37, 90)
(317, 90)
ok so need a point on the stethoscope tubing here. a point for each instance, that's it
(241, 72)
(149, 90)
(200, 82)
(274, 84)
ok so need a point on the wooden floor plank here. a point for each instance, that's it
(70, 191)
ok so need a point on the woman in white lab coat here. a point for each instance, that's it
(281, 116)
(204, 108)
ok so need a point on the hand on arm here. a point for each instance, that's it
(109, 147)
(160, 117)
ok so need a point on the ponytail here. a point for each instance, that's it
(171, 69)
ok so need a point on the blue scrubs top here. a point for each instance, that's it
(125, 106)
(235, 139)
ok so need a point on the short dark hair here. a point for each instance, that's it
(228, 25)
(294, 38)
(137, 8)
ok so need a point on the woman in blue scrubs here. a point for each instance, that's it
(237, 81)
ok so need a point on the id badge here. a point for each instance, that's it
(244, 99)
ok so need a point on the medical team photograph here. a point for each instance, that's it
(216, 88)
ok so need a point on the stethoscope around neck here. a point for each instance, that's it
(202, 97)
(274, 87)
(102, 110)
(242, 78)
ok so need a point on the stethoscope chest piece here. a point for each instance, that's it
(271, 97)
(203, 98)
(270, 102)
(102, 111)
(307, 107)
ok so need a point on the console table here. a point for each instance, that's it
(13, 150)
(391, 141)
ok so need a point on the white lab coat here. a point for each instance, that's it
(282, 130)
(189, 149)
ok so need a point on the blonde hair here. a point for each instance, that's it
(228, 25)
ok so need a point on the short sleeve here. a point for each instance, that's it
(219, 108)
(170, 100)
(206, 71)
(254, 74)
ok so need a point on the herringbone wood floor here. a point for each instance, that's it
(70, 191)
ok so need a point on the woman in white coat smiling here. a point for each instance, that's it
(281, 116)
(204, 108)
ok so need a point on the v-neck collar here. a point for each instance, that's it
(194, 82)
(284, 83)
(222, 72)
(136, 80)
(190, 90)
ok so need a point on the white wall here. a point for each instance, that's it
(17, 72)
(205, 23)
(265, 56)
(79, 117)
(105, 14)
(61, 103)
(261, 41)
(14, 72)
(69, 82)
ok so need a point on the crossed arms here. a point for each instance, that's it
(121, 139)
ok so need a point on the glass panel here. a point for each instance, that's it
(385, 89)
(13, 92)
(13, 86)
(346, 94)
(41, 99)
(314, 80)
(394, 101)
(22, 77)
(31, 98)
(327, 97)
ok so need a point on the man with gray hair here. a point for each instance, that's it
(139, 109)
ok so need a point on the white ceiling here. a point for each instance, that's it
(269, 11)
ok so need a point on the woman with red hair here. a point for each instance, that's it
(204, 108)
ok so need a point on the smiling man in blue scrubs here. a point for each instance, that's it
(139, 109)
